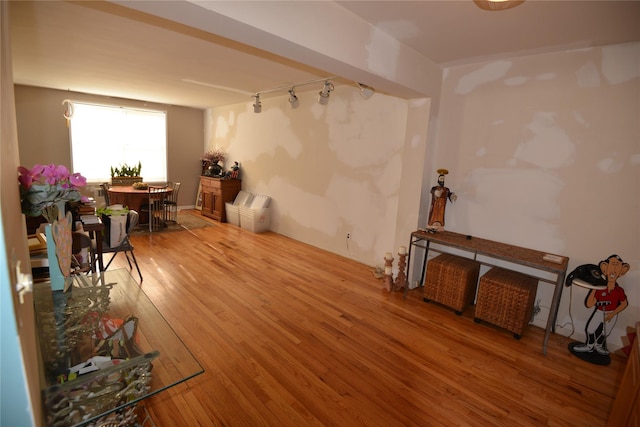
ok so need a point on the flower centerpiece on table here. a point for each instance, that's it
(45, 187)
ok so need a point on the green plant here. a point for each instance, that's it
(126, 170)
(107, 211)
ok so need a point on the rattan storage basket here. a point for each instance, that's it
(451, 280)
(505, 299)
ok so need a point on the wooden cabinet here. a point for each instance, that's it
(626, 407)
(215, 193)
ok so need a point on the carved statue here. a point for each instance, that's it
(439, 196)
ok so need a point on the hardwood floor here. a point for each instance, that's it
(290, 335)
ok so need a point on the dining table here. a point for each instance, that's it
(132, 198)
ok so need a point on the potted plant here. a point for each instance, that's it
(125, 174)
(45, 190)
(211, 162)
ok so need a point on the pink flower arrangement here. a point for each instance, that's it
(44, 187)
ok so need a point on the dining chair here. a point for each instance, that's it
(154, 207)
(125, 245)
(81, 261)
(105, 192)
(171, 203)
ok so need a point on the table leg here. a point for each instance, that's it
(406, 287)
(412, 243)
(553, 313)
(424, 263)
(99, 252)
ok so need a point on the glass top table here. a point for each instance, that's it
(104, 347)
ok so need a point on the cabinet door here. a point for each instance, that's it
(207, 203)
(217, 206)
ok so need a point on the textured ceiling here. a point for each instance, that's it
(108, 49)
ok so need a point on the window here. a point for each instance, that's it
(104, 136)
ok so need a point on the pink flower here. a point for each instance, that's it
(55, 174)
(25, 178)
(43, 186)
(78, 180)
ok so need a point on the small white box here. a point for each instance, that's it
(255, 220)
(233, 214)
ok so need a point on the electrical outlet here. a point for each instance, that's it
(348, 236)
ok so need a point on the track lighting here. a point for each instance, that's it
(293, 99)
(257, 107)
(366, 91)
(323, 95)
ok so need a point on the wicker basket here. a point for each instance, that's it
(451, 280)
(505, 299)
(121, 181)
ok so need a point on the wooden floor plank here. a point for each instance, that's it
(291, 335)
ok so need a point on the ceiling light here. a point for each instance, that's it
(257, 107)
(366, 91)
(497, 4)
(293, 99)
(323, 95)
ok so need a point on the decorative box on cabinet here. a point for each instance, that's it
(215, 193)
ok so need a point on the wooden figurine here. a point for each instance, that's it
(439, 196)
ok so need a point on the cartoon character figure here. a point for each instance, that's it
(234, 172)
(439, 196)
(607, 301)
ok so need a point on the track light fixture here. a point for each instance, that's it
(366, 91)
(323, 95)
(293, 99)
(257, 107)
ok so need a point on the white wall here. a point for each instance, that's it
(331, 169)
(544, 152)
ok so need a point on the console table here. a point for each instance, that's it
(70, 334)
(476, 246)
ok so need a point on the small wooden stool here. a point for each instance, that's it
(505, 299)
(451, 280)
